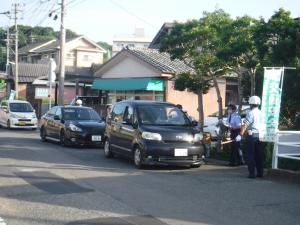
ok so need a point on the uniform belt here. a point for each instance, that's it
(255, 135)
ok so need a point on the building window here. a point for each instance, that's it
(70, 55)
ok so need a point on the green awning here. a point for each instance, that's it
(130, 84)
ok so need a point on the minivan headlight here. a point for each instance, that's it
(33, 116)
(198, 137)
(75, 128)
(14, 115)
(151, 136)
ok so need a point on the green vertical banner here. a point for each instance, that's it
(271, 100)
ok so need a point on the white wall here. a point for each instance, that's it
(130, 67)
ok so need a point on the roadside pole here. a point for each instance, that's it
(62, 56)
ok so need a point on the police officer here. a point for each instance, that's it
(78, 102)
(251, 126)
(234, 123)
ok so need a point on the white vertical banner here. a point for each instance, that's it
(271, 101)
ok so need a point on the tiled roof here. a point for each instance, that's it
(52, 45)
(24, 50)
(29, 72)
(78, 71)
(160, 60)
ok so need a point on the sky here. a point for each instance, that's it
(104, 20)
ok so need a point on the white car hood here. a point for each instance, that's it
(24, 115)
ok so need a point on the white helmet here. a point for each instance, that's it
(254, 100)
(78, 102)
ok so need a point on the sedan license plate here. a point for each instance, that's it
(22, 123)
(96, 138)
(181, 152)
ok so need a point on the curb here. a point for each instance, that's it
(277, 175)
(286, 176)
(216, 161)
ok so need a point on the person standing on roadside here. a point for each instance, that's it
(234, 123)
(251, 126)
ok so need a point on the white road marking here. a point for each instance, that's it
(2, 221)
(28, 170)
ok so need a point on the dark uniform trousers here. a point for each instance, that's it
(235, 158)
(254, 157)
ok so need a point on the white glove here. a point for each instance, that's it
(226, 124)
(238, 138)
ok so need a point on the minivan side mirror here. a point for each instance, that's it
(127, 122)
(56, 117)
(194, 123)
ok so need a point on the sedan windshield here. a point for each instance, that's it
(80, 114)
(20, 107)
(162, 115)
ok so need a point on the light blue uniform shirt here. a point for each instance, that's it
(234, 120)
(253, 120)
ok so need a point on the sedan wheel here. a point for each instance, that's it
(107, 151)
(63, 139)
(138, 159)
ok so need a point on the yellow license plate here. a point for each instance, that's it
(22, 123)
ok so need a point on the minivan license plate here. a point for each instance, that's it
(96, 138)
(181, 152)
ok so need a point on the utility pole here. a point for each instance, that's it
(62, 56)
(15, 12)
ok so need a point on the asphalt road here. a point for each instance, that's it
(44, 183)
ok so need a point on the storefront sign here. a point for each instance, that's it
(271, 100)
(41, 92)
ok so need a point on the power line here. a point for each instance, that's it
(34, 13)
(46, 16)
(132, 14)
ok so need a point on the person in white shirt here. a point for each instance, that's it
(251, 126)
(234, 123)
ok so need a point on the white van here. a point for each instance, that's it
(17, 114)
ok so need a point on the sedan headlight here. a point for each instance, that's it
(198, 137)
(151, 136)
(33, 116)
(75, 128)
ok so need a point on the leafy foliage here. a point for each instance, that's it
(107, 47)
(278, 44)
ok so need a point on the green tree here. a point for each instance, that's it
(278, 42)
(108, 48)
(240, 53)
(2, 49)
(197, 42)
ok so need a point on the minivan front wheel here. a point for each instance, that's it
(138, 158)
(8, 124)
(107, 152)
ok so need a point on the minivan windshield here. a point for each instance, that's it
(80, 114)
(163, 115)
(20, 107)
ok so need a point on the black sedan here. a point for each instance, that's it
(72, 125)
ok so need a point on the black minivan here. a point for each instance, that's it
(152, 132)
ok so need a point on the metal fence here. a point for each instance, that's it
(287, 145)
